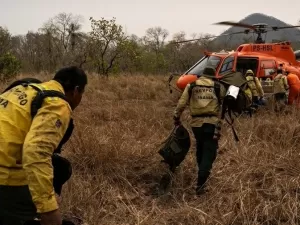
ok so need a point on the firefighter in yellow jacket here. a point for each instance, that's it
(26, 147)
(280, 87)
(254, 84)
(204, 99)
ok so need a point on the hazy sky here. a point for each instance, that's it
(191, 16)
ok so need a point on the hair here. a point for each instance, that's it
(70, 77)
(22, 81)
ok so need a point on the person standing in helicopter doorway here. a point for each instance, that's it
(204, 97)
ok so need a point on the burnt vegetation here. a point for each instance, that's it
(123, 120)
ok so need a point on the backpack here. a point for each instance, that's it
(242, 101)
(236, 101)
(38, 101)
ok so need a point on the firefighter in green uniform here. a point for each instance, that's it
(204, 97)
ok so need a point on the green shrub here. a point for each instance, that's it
(9, 66)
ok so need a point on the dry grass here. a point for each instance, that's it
(118, 129)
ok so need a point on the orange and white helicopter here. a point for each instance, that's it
(262, 58)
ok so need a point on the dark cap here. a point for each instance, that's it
(209, 72)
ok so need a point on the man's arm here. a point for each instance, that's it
(182, 102)
(259, 87)
(46, 132)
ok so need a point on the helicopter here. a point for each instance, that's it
(261, 57)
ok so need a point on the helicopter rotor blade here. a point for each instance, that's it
(230, 23)
(279, 28)
(197, 39)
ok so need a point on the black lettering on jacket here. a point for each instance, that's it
(3, 102)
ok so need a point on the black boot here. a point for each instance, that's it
(200, 190)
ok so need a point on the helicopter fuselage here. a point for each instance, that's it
(262, 59)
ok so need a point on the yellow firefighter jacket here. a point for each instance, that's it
(26, 145)
(252, 85)
(280, 84)
(203, 102)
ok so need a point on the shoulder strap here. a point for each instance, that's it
(40, 96)
(37, 104)
(22, 82)
(217, 88)
(66, 137)
(192, 85)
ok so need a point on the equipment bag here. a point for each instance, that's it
(175, 147)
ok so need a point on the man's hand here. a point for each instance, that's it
(176, 121)
(51, 218)
(58, 199)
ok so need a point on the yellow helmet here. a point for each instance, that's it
(249, 72)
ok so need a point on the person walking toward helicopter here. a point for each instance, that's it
(280, 87)
(256, 89)
(204, 97)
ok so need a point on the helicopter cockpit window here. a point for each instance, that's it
(212, 61)
(227, 65)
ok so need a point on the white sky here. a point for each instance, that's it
(191, 16)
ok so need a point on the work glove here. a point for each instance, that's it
(176, 121)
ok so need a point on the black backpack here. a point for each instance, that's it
(38, 101)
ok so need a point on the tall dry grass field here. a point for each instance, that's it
(118, 130)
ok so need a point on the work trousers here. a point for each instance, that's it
(255, 100)
(16, 205)
(280, 101)
(206, 151)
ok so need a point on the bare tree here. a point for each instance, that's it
(65, 27)
(155, 38)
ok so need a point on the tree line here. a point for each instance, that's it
(105, 50)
